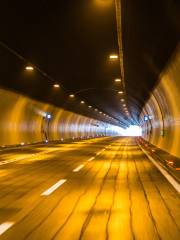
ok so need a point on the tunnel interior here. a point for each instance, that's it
(89, 120)
(69, 46)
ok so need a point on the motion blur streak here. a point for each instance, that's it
(118, 195)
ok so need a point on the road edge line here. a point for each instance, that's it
(165, 173)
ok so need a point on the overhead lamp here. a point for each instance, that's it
(82, 102)
(29, 68)
(120, 92)
(124, 105)
(56, 85)
(117, 80)
(89, 106)
(95, 109)
(113, 56)
(100, 112)
(122, 100)
(71, 96)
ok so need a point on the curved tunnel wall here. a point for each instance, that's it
(163, 130)
(23, 120)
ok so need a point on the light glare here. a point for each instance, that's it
(117, 80)
(56, 85)
(29, 68)
(113, 56)
(133, 130)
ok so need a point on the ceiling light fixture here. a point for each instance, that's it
(113, 56)
(117, 80)
(29, 68)
(56, 85)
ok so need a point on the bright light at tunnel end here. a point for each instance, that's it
(133, 131)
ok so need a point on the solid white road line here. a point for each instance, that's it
(5, 226)
(54, 187)
(78, 168)
(170, 179)
(90, 159)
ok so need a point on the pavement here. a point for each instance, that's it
(96, 189)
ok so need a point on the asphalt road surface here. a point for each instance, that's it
(96, 189)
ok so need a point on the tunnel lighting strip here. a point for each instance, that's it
(5, 226)
(32, 67)
(170, 179)
(54, 187)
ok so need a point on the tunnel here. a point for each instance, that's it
(90, 120)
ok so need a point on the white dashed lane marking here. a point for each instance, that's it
(54, 187)
(90, 159)
(78, 168)
(5, 226)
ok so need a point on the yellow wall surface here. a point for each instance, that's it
(163, 130)
(23, 120)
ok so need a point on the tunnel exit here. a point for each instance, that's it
(133, 130)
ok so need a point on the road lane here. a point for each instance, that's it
(44, 208)
(115, 193)
(36, 176)
(21, 172)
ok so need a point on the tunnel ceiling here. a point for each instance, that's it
(151, 31)
(71, 42)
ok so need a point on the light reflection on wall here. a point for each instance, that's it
(24, 120)
(164, 129)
